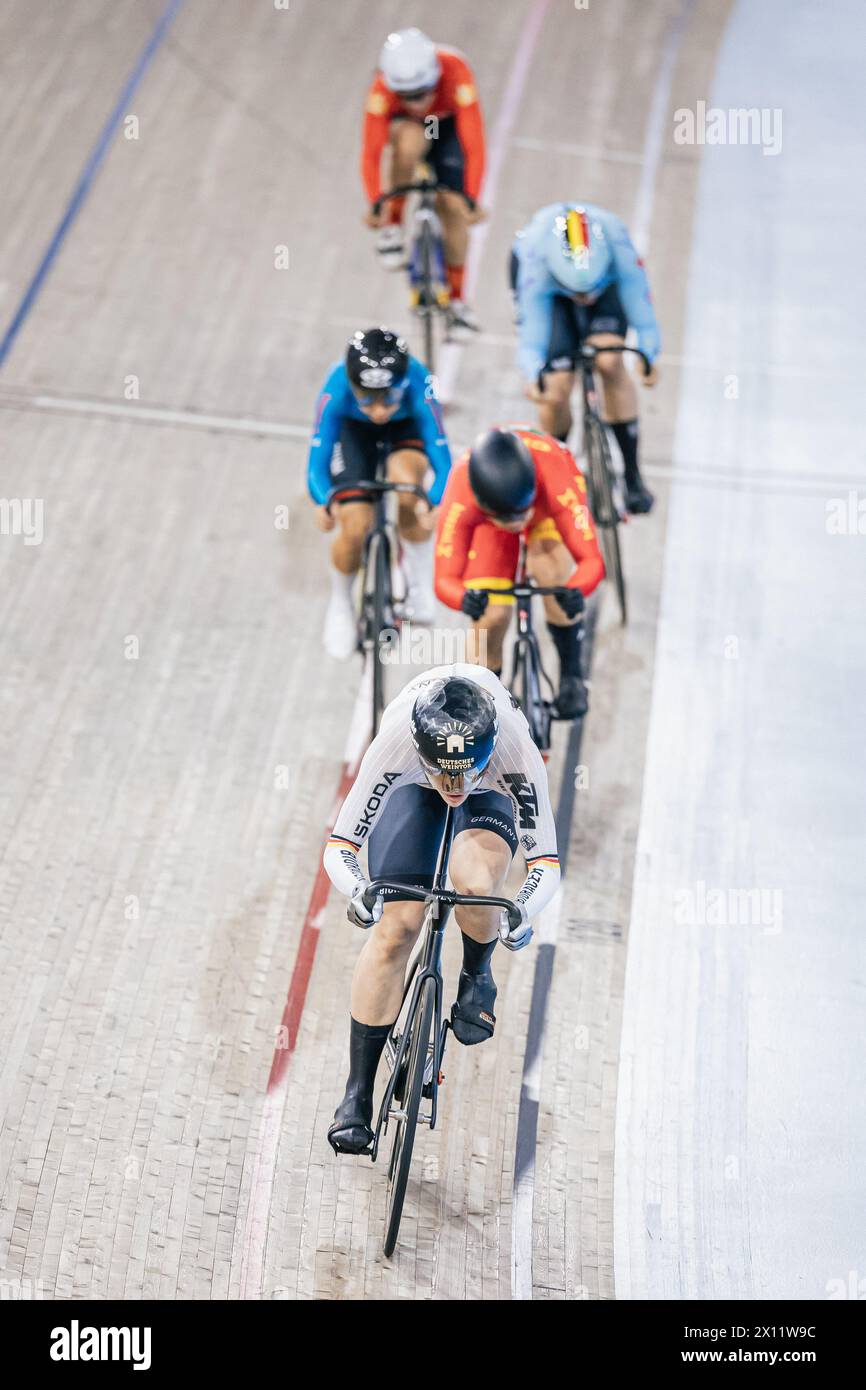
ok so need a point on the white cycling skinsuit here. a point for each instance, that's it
(515, 770)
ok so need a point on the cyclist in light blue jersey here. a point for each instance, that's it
(577, 277)
(378, 401)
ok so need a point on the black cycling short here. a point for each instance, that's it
(405, 844)
(573, 322)
(444, 152)
(357, 453)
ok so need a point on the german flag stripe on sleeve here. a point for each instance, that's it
(341, 840)
(544, 859)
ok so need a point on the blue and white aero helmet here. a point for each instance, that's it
(577, 250)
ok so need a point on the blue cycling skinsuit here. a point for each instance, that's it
(344, 441)
(536, 290)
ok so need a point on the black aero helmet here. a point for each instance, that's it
(377, 359)
(454, 728)
(502, 473)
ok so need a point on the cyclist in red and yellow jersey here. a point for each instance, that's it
(423, 105)
(516, 481)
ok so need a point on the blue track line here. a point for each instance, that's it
(86, 177)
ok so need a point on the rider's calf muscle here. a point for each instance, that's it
(377, 986)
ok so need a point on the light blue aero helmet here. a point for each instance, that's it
(577, 251)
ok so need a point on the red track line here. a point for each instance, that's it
(307, 946)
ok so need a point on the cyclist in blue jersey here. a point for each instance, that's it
(576, 276)
(378, 398)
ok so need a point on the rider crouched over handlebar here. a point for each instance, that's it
(517, 482)
(423, 106)
(453, 737)
(378, 403)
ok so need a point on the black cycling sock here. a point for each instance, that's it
(626, 435)
(567, 641)
(477, 955)
(366, 1041)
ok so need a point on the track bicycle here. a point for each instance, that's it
(378, 611)
(603, 484)
(415, 1046)
(528, 676)
(429, 295)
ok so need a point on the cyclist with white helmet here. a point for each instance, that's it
(453, 737)
(423, 105)
(576, 276)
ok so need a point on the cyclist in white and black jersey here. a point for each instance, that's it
(453, 736)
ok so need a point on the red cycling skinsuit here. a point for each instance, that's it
(455, 95)
(473, 552)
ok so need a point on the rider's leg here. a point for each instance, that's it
(455, 233)
(377, 985)
(554, 412)
(408, 465)
(492, 565)
(354, 520)
(377, 990)
(408, 146)
(405, 149)
(486, 637)
(447, 161)
(550, 563)
(621, 413)
(402, 847)
(479, 864)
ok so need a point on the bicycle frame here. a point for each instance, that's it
(523, 591)
(376, 613)
(428, 966)
(428, 278)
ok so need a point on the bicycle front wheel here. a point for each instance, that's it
(404, 1137)
(603, 507)
(526, 688)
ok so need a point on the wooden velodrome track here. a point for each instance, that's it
(161, 658)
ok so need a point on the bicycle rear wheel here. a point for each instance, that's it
(603, 507)
(404, 1137)
(381, 583)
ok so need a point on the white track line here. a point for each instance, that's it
(526, 142)
(655, 128)
(524, 1191)
(523, 1197)
(157, 415)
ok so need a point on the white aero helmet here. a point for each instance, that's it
(408, 62)
(578, 254)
